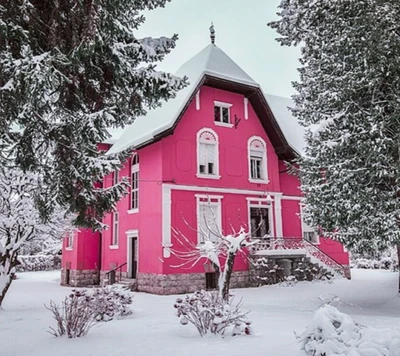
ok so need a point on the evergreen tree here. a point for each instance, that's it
(69, 71)
(348, 98)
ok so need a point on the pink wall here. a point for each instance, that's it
(234, 213)
(180, 158)
(150, 205)
(289, 182)
(85, 251)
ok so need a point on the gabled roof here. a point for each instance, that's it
(215, 68)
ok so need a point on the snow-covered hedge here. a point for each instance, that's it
(40, 262)
(332, 333)
(383, 260)
(208, 312)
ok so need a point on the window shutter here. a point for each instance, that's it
(210, 153)
(256, 154)
(202, 153)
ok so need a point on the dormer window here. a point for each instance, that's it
(222, 115)
(207, 154)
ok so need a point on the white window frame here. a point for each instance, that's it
(115, 230)
(115, 177)
(213, 140)
(203, 200)
(308, 229)
(134, 171)
(261, 203)
(260, 150)
(221, 105)
(70, 239)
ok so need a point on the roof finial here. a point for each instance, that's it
(212, 33)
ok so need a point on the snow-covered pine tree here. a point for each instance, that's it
(348, 98)
(20, 221)
(69, 71)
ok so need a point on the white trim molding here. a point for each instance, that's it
(246, 108)
(223, 124)
(209, 201)
(130, 235)
(222, 104)
(257, 151)
(113, 247)
(291, 197)
(261, 203)
(278, 216)
(198, 100)
(166, 220)
(190, 188)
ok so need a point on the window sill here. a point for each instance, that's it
(69, 248)
(223, 124)
(133, 211)
(113, 247)
(208, 176)
(259, 181)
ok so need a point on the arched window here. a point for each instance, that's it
(257, 156)
(207, 154)
(134, 184)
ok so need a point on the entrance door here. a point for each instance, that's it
(259, 220)
(134, 257)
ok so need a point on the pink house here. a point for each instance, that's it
(214, 156)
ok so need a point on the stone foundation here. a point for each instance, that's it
(267, 270)
(79, 278)
(183, 283)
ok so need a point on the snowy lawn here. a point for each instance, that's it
(153, 328)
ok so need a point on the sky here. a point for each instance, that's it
(241, 32)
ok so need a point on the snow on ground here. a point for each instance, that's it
(153, 329)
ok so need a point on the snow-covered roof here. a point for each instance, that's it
(210, 61)
(293, 131)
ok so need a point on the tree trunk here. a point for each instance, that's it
(7, 285)
(227, 275)
(7, 265)
(398, 261)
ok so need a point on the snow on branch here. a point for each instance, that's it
(216, 247)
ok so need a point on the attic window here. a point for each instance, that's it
(222, 115)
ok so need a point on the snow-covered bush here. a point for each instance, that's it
(209, 312)
(81, 310)
(40, 262)
(76, 315)
(381, 260)
(111, 301)
(332, 333)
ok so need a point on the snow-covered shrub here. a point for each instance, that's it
(380, 260)
(38, 262)
(208, 312)
(76, 315)
(289, 281)
(332, 333)
(112, 302)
